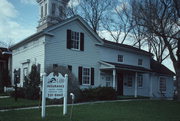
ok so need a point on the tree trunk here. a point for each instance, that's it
(178, 83)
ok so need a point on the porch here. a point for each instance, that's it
(125, 79)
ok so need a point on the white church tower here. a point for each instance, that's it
(51, 12)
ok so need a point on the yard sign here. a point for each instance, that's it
(54, 87)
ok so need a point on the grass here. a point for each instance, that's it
(116, 111)
(131, 97)
(7, 103)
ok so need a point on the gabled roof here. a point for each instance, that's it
(115, 45)
(160, 68)
(49, 29)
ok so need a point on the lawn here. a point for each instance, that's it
(111, 111)
(7, 103)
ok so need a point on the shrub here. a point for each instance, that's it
(20, 93)
(99, 93)
(32, 82)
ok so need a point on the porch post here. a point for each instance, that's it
(114, 78)
(135, 88)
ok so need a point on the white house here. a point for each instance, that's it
(94, 61)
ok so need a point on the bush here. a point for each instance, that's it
(20, 93)
(31, 88)
(99, 93)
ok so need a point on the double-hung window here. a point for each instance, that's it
(120, 58)
(129, 81)
(162, 84)
(86, 76)
(140, 80)
(75, 40)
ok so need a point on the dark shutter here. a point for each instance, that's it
(70, 68)
(82, 42)
(92, 76)
(39, 68)
(68, 39)
(80, 75)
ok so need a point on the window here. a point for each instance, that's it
(140, 80)
(140, 61)
(41, 11)
(129, 81)
(162, 84)
(75, 39)
(108, 81)
(86, 76)
(45, 9)
(120, 58)
(53, 8)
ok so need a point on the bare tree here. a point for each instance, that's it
(160, 18)
(7, 43)
(118, 21)
(93, 11)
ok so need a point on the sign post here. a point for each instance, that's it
(65, 95)
(54, 87)
(43, 96)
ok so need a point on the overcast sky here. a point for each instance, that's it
(19, 19)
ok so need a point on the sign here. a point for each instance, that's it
(55, 86)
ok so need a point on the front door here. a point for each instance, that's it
(120, 83)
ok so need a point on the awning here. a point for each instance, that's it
(110, 65)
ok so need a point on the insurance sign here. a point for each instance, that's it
(55, 86)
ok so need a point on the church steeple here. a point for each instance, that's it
(51, 12)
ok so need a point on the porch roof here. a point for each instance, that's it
(112, 65)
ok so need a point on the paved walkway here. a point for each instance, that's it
(1, 97)
(60, 105)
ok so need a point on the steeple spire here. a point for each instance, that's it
(51, 12)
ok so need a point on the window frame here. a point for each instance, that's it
(140, 80)
(75, 37)
(140, 61)
(89, 76)
(165, 80)
(120, 58)
(128, 77)
(108, 80)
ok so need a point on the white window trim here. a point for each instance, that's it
(127, 81)
(159, 83)
(142, 81)
(75, 40)
(89, 76)
(122, 58)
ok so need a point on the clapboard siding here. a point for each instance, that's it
(57, 52)
(34, 51)
(130, 58)
(155, 86)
